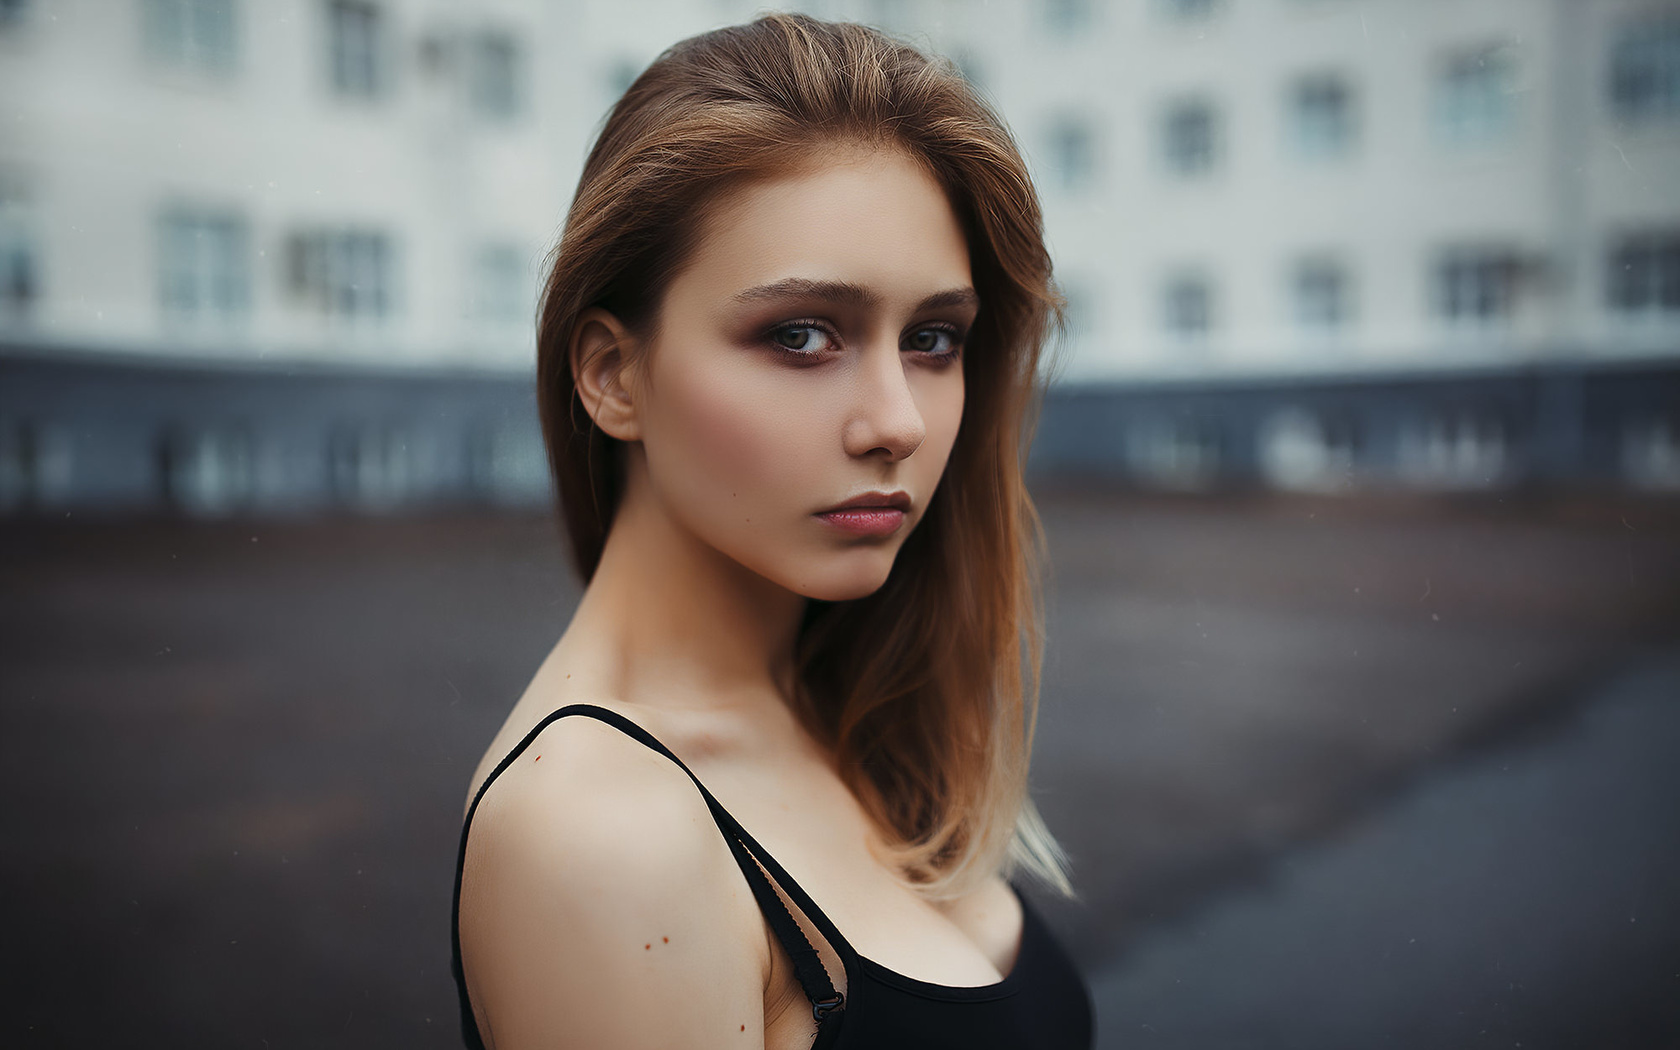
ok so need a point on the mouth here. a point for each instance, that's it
(869, 514)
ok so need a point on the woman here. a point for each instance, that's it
(786, 360)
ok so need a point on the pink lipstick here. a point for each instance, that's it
(869, 514)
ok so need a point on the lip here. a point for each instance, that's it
(899, 500)
(869, 513)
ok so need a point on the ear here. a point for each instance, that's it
(600, 355)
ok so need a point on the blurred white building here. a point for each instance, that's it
(286, 253)
(329, 189)
(1266, 187)
(1330, 243)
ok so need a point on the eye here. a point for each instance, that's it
(802, 338)
(935, 341)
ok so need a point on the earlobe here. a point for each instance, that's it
(600, 355)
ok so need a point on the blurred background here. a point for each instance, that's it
(1360, 465)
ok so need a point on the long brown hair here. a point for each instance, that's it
(926, 690)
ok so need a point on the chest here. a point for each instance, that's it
(819, 833)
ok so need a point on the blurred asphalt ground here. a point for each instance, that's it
(1525, 898)
(1373, 772)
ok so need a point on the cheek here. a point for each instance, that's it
(942, 408)
(732, 442)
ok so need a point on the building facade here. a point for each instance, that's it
(285, 256)
(1340, 244)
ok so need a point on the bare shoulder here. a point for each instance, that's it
(601, 906)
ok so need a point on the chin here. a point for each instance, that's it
(841, 576)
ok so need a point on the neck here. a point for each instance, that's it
(670, 621)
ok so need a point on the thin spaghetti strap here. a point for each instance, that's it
(807, 964)
(825, 925)
(826, 1001)
(729, 825)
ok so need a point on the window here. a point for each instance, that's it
(1475, 96)
(1321, 295)
(505, 463)
(1175, 452)
(497, 76)
(1308, 451)
(1188, 10)
(19, 281)
(37, 463)
(1067, 16)
(371, 464)
(191, 34)
(342, 273)
(203, 269)
(1644, 274)
(1187, 307)
(1645, 72)
(1072, 153)
(1453, 447)
(1476, 286)
(1189, 134)
(502, 283)
(435, 53)
(357, 33)
(207, 470)
(1321, 120)
(1650, 452)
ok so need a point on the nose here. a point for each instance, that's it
(884, 415)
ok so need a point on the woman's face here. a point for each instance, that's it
(809, 352)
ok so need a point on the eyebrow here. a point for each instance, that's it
(848, 294)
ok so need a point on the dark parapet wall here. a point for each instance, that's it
(207, 439)
(1608, 427)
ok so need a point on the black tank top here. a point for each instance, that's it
(1043, 1003)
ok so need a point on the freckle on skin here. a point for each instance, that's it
(646, 947)
(667, 940)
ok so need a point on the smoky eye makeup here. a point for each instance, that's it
(807, 339)
(939, 339)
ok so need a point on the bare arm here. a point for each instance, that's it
(600, 906)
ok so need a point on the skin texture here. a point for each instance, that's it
(600, 905)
